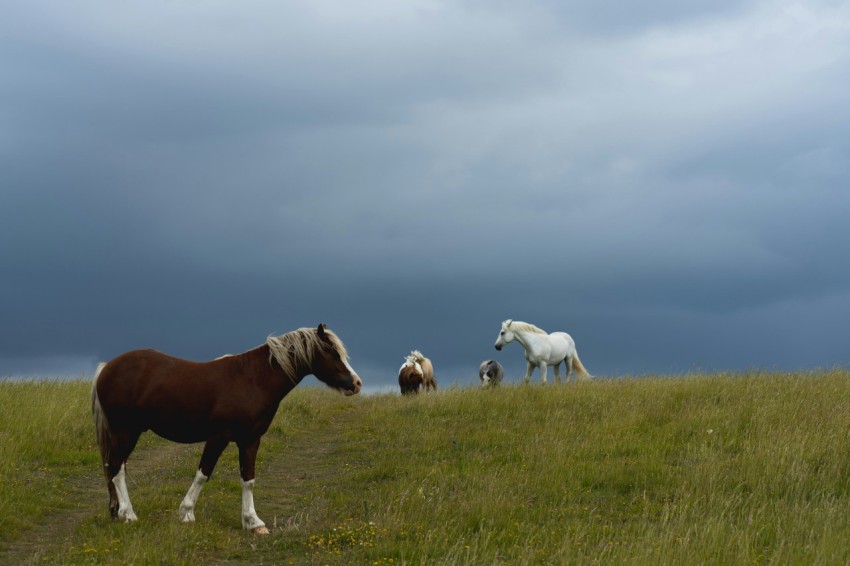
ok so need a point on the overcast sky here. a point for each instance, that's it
(667, 181)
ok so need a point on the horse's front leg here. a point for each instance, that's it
(528, 370)
(558, 372)
(212, 452)
(247, 458)
(543, 372)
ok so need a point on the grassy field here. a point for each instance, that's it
(715, 469)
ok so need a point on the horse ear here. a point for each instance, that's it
(508, 322)
(321, 329)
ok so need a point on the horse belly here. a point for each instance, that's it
(176, 420)
(180, 429)
(195, 417)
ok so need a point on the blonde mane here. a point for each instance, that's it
(416, 356)
(518, 325)
(423, 371)
(409, 362)
(299, 348)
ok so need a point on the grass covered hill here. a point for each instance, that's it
(714, 469)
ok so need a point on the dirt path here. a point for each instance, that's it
(301, 467)
(88, 497)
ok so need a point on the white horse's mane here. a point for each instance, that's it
(299, 347)
(520, 326)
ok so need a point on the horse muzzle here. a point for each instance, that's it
(357, 384)
(499, 347)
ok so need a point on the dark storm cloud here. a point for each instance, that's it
(665, 182)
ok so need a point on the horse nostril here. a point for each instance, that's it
(499, 348)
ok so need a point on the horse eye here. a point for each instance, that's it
(502, 333)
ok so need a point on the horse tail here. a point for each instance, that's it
(101, 425)
(581, 373)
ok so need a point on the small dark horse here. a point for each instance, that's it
(231, 399)
(490, 372)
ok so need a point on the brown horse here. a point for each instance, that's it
(409, 376)
(416, 372)
(231, 399)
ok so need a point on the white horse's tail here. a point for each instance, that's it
(581, 373)
(101, 425)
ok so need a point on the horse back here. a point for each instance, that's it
(124, 379)
(180, 399)
(550, 348)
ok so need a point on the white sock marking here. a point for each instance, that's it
(125, 508)
(187, 507)
(250, 520)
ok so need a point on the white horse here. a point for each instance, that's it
(542, 349)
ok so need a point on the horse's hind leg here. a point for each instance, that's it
(558, 372)
(125, 507)
(113, 497)
(212, 451)
(568, 365)
(122, 444)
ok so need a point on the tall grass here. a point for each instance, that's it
(45, 437)
(718, 469)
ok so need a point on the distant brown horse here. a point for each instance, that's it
(416, 372)
(409, 376)
(231, 399)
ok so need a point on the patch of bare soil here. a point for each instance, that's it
(289, 486)
(288, 490)
(90, 497)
